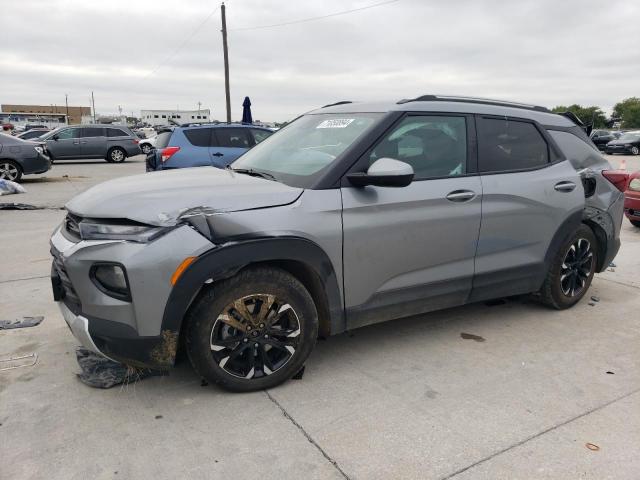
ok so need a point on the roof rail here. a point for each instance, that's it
(343, 102)
(481, 101)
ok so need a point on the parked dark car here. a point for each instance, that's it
(628, 143)
(21, 157)
(114, 143)
(33, 133)
(215, 145)
(601, 137)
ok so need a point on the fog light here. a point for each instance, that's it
(111, 278)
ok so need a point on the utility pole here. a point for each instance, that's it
(226, 62)
(93, 104)
(66, 104)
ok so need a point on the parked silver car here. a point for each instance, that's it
(114, 143)
(353, 214)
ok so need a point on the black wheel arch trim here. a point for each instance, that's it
(228, 259)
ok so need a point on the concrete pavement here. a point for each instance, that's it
(406, 399)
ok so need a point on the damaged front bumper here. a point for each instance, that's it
(126, 329)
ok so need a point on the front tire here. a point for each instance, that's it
(252, 331)
(146, 148)
(571, 270)
(116, 155)
(10, 170)
(635, 223)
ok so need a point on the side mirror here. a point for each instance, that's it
(384, 172)
(55, 137)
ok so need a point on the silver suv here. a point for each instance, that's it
(353, 214)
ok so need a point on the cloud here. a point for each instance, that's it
(541, 51)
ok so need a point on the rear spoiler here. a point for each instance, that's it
(574, 118)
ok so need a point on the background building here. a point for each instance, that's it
(21, 119)
(75, 114)
(171, 117)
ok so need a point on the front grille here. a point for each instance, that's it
(71, 225)
(70, 297)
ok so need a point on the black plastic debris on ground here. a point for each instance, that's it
(23, 322)
(101, 372)
(18, 206)
(471, 336)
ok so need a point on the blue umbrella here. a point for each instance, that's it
(246, 111)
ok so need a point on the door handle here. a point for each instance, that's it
(461, 195)
(564, 187)
(218, 154)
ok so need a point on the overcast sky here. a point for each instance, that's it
(546, 52)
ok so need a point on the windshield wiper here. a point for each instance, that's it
(252, 172)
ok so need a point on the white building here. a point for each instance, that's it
(172, 117)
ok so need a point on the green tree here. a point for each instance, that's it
(589, 115)
(628, 111)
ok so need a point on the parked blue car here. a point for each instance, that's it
(201, 145)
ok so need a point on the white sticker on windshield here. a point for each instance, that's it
(336, 123)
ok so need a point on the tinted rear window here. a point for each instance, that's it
(505, 144)
(163, 139)
(232, 138)
(199, 137)
(92, 132)
(580, 153)
(116, 132)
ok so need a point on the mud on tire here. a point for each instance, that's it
(252, 331)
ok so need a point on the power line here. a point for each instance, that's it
(311, 19)
(182, 45)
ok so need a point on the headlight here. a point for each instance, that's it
(39, 149)
(132, 233)
(635, 185)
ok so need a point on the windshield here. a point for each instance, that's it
(630, 137)
(302, 151)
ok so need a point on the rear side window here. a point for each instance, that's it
(92, 132)
(580, 153)
(116, 132)
(163, 139)
(260, 135)
(232, 137)
(507, 145)
(199, 137)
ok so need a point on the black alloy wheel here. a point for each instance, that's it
(576, 268)
(255, 336)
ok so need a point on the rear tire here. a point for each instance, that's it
(571, 270)
(635, 223)
(116, 155)
(252, 331)
(10, 170)
(635, 151)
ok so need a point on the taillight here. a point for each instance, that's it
(619, 178)
(136, 141)
(168, 152)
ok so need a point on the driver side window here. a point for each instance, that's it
(434, 145)
(69, 133)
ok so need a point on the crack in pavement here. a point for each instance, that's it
(307, 436)
(618, 282)
(539, 434)
(23, 279)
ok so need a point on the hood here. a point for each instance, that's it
(160, 198)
